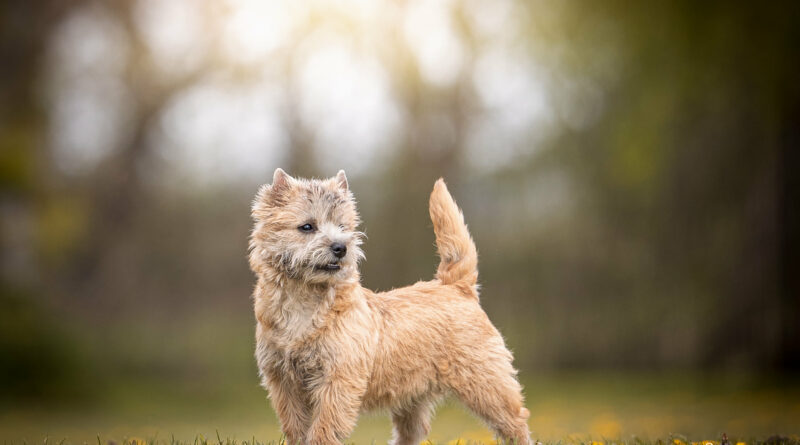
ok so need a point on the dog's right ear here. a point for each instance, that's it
(280, 181)
(272, 194)
(281, 184)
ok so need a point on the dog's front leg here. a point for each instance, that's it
(336, 411)
(293, 411)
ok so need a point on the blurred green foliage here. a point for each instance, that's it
(652, 226)
(40, 358)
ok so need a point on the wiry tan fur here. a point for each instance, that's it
(328, 348)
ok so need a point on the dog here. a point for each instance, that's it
(328, 348)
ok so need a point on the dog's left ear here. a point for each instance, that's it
(341, 180)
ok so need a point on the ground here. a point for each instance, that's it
(565, 408)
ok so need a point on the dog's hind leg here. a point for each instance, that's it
(496, 397)
(412, 423)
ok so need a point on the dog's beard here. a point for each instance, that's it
(319, 266)
(312, 263)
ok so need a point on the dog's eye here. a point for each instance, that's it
(308, 228)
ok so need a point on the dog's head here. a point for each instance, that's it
(306, 230)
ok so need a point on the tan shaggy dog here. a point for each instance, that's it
(328, 348)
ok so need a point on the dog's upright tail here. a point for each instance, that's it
(458, 257)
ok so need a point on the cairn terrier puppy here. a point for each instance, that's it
(328, 348)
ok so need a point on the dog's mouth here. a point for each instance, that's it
(330, 267)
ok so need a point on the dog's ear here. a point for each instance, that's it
(341, 180)
(272, 194)
(281, 181)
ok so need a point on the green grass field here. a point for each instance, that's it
(565, 408)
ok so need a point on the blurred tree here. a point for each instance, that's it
(647, 218)
(37, 358)
(683, 171)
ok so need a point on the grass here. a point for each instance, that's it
(218, 440)
(619, 409)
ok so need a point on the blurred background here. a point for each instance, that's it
(628, 171)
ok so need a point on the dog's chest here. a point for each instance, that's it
(295, 322)
(292, 329)
(300, 363)
(291, 345)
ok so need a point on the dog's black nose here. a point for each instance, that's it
(339, 249)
